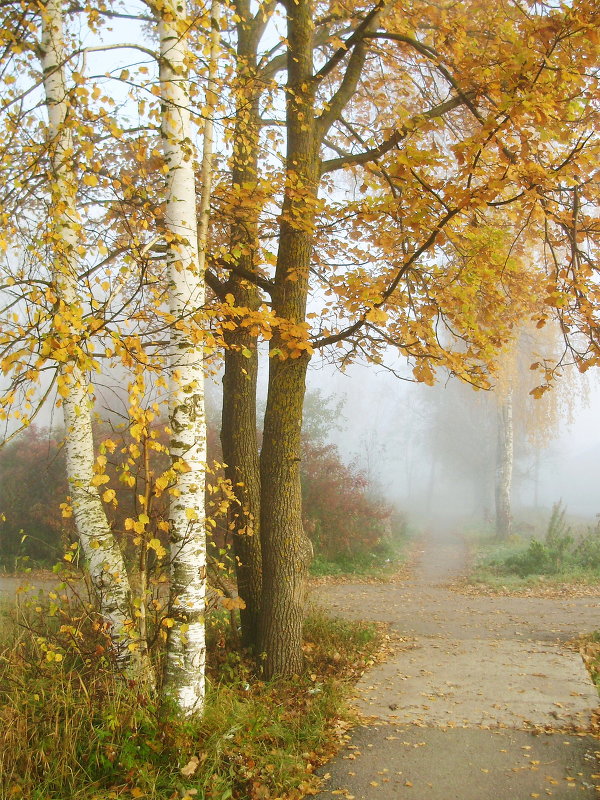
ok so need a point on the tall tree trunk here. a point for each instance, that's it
(186, 647)
(238, 429)
(101, 551)
(286, 550)
(504, 466)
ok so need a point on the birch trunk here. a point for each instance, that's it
(504, 467)
(186, 647)
(101, 551)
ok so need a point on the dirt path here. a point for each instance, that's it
(482, 700)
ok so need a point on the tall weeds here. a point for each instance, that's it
(71, 727)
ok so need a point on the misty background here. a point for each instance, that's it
(430, 450)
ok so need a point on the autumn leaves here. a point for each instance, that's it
(408, 180)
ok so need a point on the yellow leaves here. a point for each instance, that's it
(137, 431)
(539, 391)
(156, 545)
(109, 496)
(66, 510)
(377, 316)
(167, 622)
(423, 373)
(127, 478)
(191, 514)
(99, 479)
(232, 603)
(60, 354)
(137, 525)
(163, 481)
(90, 179)
(53, 656)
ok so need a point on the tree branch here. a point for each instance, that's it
(432, 55)
(353, 72)
(360, 323)
(215, 284)
(377, 152)
(252, 277)
(356, 37)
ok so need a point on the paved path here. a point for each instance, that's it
(482, 700)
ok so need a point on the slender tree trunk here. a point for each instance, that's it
(101, 551)
(504, 467)
(286, 550)
(536, 479)
(186, 647)
(240, 453)
(238, 429)
(431, 483)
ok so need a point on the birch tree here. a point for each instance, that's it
(106, 565)
(504, 464)
(186, 647)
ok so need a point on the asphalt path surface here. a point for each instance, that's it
(480, 699)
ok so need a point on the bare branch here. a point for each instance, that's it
(377, 152)
(357, 36)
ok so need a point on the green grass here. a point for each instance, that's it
(72, 729)
(381, 562)
(564, 554)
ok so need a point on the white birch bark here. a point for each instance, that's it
(504, 466)
(101, 551)
(186, 648)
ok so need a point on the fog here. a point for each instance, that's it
(431, 450)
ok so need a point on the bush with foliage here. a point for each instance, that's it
(342, 514)
(561, 551)
(32, 485)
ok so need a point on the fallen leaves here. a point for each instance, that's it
(191, 767)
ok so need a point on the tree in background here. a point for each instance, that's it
(504, 464)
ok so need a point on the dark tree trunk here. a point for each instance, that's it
(238, 430)
(286, 550)
(240, 454)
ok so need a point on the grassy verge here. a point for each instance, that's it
(378, 564)
(563, 555)
(69, 728)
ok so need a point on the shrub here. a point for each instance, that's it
(32, 486)
(559, 552)
(341, 513)
(70, 727)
